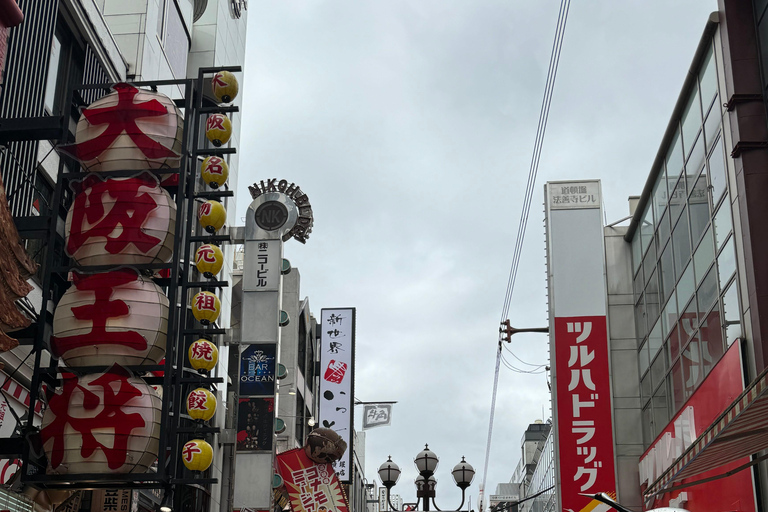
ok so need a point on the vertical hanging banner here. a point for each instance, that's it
(581, 379)
(311, 487)
(337, 379)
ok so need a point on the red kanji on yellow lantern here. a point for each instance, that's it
(214, 171)
(203, 355)
(201, 404)
(212, 215)
(197, 455)
(218, 129)
(206, 307)
(224, 85)
(209, 259)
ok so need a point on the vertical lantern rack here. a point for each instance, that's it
(177, 378)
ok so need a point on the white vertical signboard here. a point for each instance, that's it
(337, 379)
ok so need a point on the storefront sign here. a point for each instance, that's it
(721, 387)
(255, 424)
(581, 378)
(257, 370)
(111, 500)
(311, 487)
(337, 359)
(303, 226)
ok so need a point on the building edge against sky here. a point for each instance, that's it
(685, 290)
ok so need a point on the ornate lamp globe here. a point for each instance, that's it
(431, 483)
(463, 473)
(419, 483)
(426, 462)
(389, 473)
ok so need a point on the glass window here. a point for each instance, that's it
(707, 294)
(649, 263)
(640, 320)
(682, 244)
(660, 193)
(648, 425)
(708, 78)
(637, 251)
(712, 124)
(689, 320)
(667, 271)
(669, 315)
(161, 19)
(674, 160)
(693, 373)
(643, 359)
(638, 283)
(691, 120)
(652, 299)
(699, 208)
(685, 288)
(655, 340)
(662, 232)
(659, 369)
(726, 262)
(660, 409)
(717, 174)
(647, 227)
(678, 200)
(723, 225)
(732, 316)
(675, 341)
(678, 393)
(696, 158)
(645, 386)
(704, 256)
(711, 340)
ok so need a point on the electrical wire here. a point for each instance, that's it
(554, 60)
(520, 360)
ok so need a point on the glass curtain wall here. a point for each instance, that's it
(684, 261)
(543, 481)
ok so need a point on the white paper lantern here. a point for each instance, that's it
(127, 129)
(102, 423)
(121, 221)
(111, 317)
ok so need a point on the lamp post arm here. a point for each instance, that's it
(458, 509)
(388, 501)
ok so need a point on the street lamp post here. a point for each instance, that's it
(426, 462)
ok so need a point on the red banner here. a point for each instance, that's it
(585, 435)
(312, 487)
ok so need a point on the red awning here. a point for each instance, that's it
(10, 14)
(741, 431)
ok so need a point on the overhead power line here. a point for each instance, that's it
(554, 60)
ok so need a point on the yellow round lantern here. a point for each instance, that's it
(212, 215)
(201, 404)
(206, 307)
(209, 259)
(224, 85)
(203, 355)
(218, 129)
(197, 455)
(214, 171)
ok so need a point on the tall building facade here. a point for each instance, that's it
(684, 289)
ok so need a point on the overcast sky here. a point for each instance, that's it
(410, 124)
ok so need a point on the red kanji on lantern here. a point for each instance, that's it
(117, 392)
(205, 209)
(215, 122)
(214, 165)
(130, 209)
(196, 400)
(203, 351)
(218, 81)
(205, 301)
(103, 308)
(119, 119)
(189, 451)
(206, 253)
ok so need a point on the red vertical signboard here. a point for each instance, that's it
(584, 410)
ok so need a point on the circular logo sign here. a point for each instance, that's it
(271, 215)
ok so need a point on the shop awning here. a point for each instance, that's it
(741, 431)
